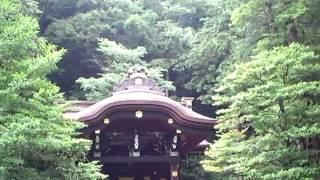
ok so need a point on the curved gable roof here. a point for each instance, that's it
(140, 92)
(141, 99)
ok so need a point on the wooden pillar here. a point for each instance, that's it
(174, 171)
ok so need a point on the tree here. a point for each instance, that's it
(164, 28)
(36, 142)
(120, 20)
(211, 47)
(120, 61)
(270, 126)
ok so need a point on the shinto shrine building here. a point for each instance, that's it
(139, 133)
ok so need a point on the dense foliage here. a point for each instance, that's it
(120, 60)
(36, 142)
(163, 28)
(268, 93)
(271, 127)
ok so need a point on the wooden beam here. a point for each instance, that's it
(141, 159)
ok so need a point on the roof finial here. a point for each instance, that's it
(139, 81)
(137, 71)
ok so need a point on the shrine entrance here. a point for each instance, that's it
(139, 133)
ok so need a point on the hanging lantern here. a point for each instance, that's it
(174, 173)
(106, 121)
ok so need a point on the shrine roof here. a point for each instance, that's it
(141, 92)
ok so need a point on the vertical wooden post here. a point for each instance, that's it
(174, 171)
